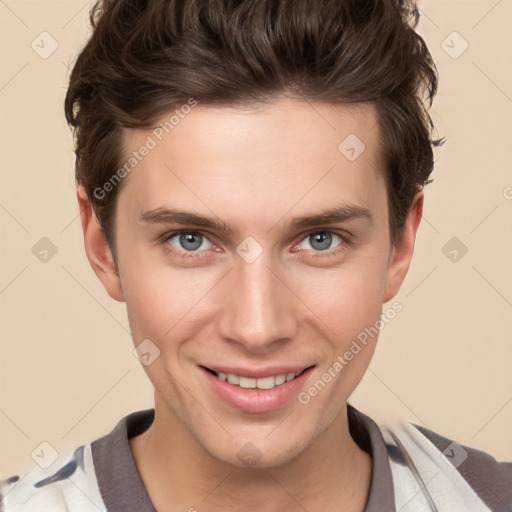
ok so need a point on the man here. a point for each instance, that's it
(250, 180)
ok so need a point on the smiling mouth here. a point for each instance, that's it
(260, 383)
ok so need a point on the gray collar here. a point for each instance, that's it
(122, 489)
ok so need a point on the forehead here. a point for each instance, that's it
(270, 157)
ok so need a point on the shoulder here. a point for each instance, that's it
(68, 484)
(461, 470)
(491, 479)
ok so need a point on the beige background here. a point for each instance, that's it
(68, 373)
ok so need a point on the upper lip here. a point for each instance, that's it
(259, 373)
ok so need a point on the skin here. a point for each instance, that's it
(256, 169)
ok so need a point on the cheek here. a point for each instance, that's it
(161, 301)
(347, 299)
(348, 303)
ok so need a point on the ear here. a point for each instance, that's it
(401, 253)
(97, 248)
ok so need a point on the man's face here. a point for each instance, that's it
(269, 294)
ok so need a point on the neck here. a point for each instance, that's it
(179, 474)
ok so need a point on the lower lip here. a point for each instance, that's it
(256, 400)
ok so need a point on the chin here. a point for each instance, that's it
(259, 454)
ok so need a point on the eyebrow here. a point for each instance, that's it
(329, 216)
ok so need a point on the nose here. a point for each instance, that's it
(259, 307)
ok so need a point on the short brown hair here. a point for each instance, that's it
(146, 57)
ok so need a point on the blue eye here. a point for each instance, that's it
(189, 241)
(321, 245)
(322, 240)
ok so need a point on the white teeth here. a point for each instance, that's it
(262, 383)
(233, 379)
(246, 382)
(280, 379)
(266, 383)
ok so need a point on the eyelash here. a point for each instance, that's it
(329, 253)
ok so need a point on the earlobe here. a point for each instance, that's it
(97, 248)
(401, 253)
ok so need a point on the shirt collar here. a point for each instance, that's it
(366, 433)
(122, 489)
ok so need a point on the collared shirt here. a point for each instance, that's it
(414, 469)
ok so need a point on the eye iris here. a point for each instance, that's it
(323, 238)
(188, 238)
